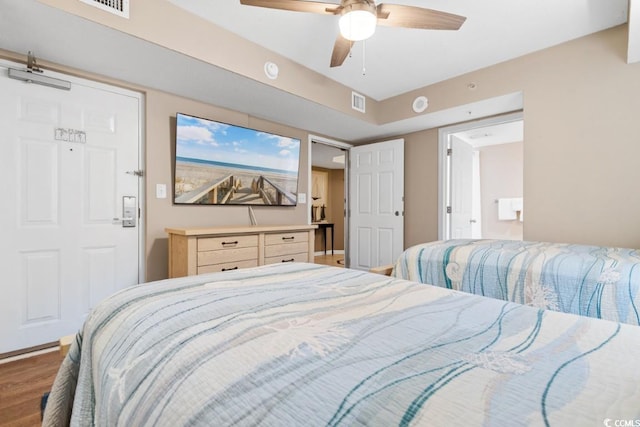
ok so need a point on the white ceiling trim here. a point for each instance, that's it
(633, 51)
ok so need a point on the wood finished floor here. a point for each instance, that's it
(336, 260)
(23, 382)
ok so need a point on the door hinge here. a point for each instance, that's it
(448, 209)
(138, 173)
(449, 151)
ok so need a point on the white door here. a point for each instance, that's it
(66, 162)
(461, 189)
(376, 194)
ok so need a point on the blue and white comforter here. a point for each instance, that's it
(309, 345)
(594, 281)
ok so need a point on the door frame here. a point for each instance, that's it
(444, 164)
(345, 147)
(86, 81)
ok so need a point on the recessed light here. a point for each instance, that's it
(420, 104)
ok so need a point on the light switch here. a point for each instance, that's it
(161, 191)
(302, 197)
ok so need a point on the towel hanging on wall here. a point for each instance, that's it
(516, 204)
(508, 208)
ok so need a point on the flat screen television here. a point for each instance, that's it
(222, 164)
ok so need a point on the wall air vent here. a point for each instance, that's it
(357, 102)
(117, 7)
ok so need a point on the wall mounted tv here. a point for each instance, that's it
(221, 164)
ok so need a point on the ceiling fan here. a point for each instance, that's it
(358, 19)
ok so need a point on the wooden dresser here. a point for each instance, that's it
(205, 250)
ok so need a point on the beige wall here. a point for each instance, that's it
(334, 210)
(420, 187)
(500, 177)
(581, 150)
(161, 109)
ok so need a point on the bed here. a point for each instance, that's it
(310, 345)
(594, 281)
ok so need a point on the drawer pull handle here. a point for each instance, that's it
(288, 260)
(229, 243)
(229, 269)
(288, 238)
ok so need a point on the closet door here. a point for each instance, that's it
(376, 223)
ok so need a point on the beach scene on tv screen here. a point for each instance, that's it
(222, 164)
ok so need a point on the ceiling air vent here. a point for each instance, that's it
(117, 7)
(357, 102)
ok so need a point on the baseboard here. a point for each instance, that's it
(21, 356)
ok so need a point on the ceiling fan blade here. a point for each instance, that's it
(396, 15)
(341, 50)
(295, 5)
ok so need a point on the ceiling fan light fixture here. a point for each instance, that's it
(358, 22)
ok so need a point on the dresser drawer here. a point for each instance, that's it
(227, 242)
(214, 268)
(302, 257)
(280, 238)
(286, 249)
(227, 255)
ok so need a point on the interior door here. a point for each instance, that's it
(68, 162)
(461, 199)
(376, 191)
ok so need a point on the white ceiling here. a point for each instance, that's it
(327, 156)
(503, 133)
(397, 60)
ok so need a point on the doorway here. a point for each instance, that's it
(481, 179)
(328, 199)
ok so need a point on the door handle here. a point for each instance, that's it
(472, 221)
(129, 212)
(124, 222)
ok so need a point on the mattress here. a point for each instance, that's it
(594, 281)
(310, 345)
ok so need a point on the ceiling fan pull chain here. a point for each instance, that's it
(364, 69)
